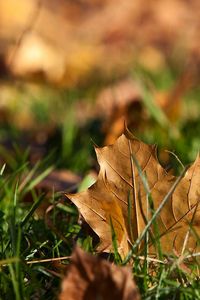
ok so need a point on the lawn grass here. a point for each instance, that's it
(26, 237)
(30, 244)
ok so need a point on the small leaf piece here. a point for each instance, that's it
(90, 278)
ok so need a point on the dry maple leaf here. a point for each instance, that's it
(91, 278)
(120, 185)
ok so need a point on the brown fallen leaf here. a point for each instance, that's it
(119, 180)
(91, 278)
(123, 104)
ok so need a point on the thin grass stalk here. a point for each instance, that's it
(158, 210)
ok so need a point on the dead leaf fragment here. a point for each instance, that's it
(119, 181)
(91, 278)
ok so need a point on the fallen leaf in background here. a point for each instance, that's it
(119, 180)
(59, 180)
(55, 181)
(123, 104)
(117, 96)
(91, 278)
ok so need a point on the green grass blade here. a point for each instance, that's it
(38, 179)
(32, 210)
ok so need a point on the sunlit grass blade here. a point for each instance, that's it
(114, 243)
(38, 179)
(130, 218)
(150, 209)
(2, 169)
(155, 111)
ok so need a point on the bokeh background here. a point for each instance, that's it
(72, 73)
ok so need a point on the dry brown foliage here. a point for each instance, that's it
(120, 185)
(90, 278)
